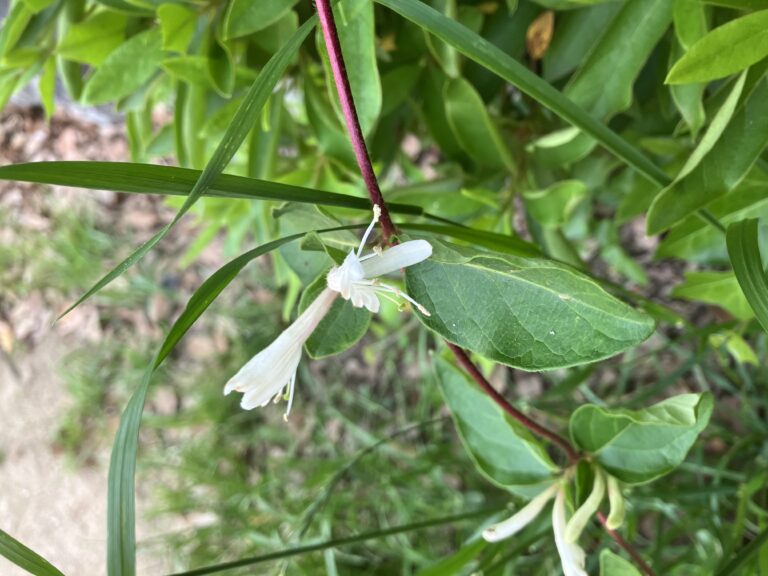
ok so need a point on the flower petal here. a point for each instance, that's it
(579, 520)
(400, 256)
(572, 556)
(521, 518)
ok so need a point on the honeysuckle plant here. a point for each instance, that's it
(531, 165)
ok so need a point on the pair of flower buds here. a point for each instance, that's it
(566, 533)
(271, 374)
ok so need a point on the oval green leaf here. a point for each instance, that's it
(502, 450)
(341, 327)
(533, 314)
(637, 446)
(726, 50)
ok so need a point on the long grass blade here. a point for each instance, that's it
(744, 252)
(335, 543)
(121, 515)
(238, 129)
(26, 558)
(170, 180)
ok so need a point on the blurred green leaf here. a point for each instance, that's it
(503, 450)
(221, 68)
(25, 558)
(13, 27)
(576, 33)
(125, 69)
(341, 327)
(637, 446)
(532, 314)
(177, 24)
(721, 169)
(744, 252)
(726, 50)
(614, 565)
(553, 206)
(93, 39)
(603, 84)
(473, 128)
(48, 86)
(246, 17)
(716, 288)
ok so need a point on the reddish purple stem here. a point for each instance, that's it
(336, 58)
(333, 46)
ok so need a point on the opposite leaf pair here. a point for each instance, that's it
(272, 372)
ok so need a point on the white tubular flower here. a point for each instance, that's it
(357, 277)
(572, 556)
(521, 518)
(271, 371)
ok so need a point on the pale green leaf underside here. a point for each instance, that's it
(639, 445)
(501, 449)
(532, 314)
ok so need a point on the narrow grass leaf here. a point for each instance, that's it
(236, 133)
(744, 252)
(335, 543)
(170, 180)
(121, 515)
(26, 558)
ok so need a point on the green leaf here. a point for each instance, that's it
(690, 20)
(603, 85)
(694, 240)
(155, 179)
(93, 39)
(48, 86)
(614, 565)
(553, 206)
(177, 24)
(245, 16)
(577, 32)
(723, 167)
(638, 446)
(453, 564)
(726, 50)
(241, 125)
(25, 558)
(736, 346)
(744, 252)
(716, 288)
(502, 450)
(125, 69)
(121, 513)
(358, 45)
(294, 218)
(341, 327)
(486, 54)
(189, 69)
(474, 130)
(221, 68)
(13, 26)
(36, 6)
(528, 313)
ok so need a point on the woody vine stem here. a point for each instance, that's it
(344, 91)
